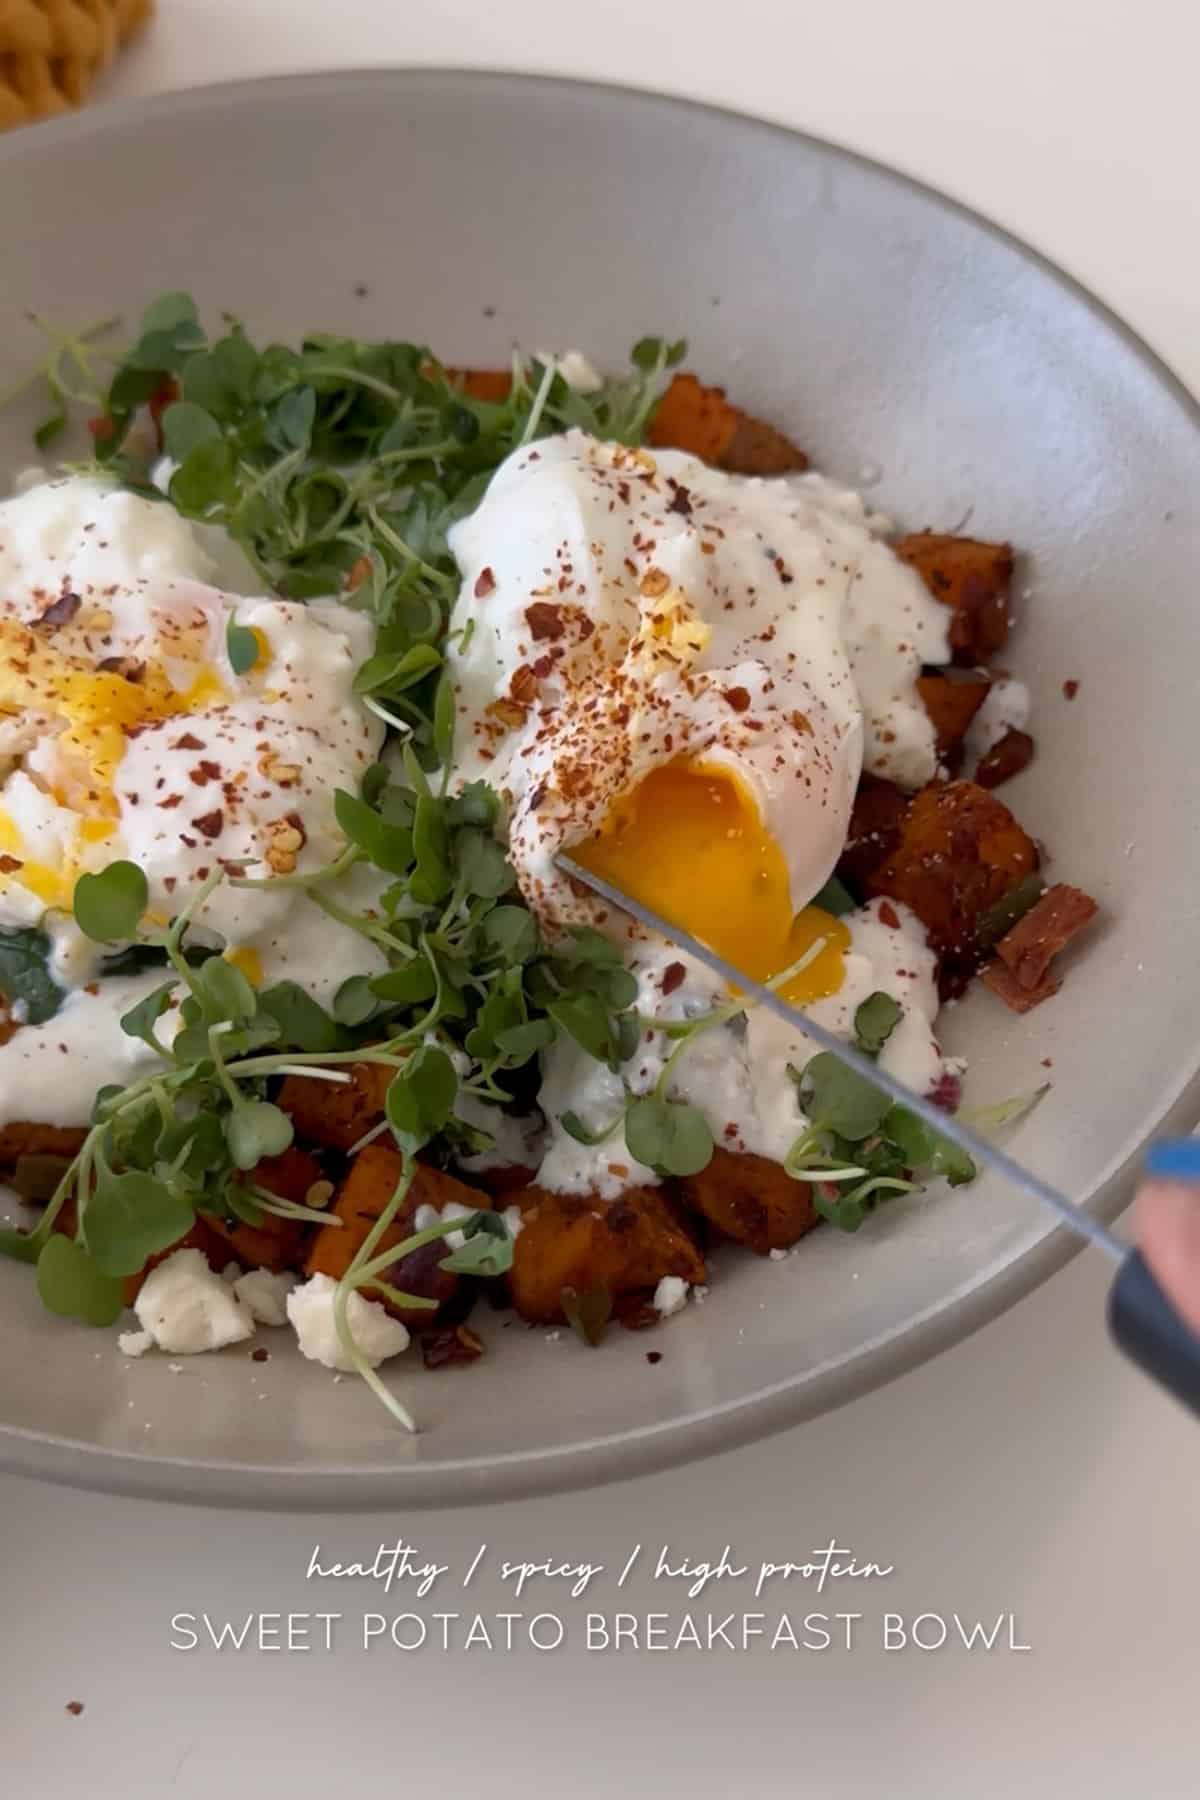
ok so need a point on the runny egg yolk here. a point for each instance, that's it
(689, 843)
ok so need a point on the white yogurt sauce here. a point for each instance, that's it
(737, 1074)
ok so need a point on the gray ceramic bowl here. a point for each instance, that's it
(891, 332)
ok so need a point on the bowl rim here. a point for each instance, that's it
(793, 1398)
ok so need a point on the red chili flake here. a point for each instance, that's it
(102, 428)
(654, 1356)
(1070, 689)
(204, 772)
(170, 801)
(188, 742)
(586, 628)
(260, 1355)
(211, 824)
(681, 500)
(524, 685)
(946, 1092)
(63, 609)
(485, 584)
(888, 914)
(74, 1707)
(674, 975)
(544, 620)
(358, 572)
(125, 667)
(164, 395)
(738, 698)
(10, 864)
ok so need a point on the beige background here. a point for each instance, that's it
(1027, 1471)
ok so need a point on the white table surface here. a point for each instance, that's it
(1027, 1472)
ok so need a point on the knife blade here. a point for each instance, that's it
(1141, 1319)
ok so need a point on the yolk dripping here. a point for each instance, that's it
(689, 843)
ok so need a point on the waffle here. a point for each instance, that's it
(52, 50)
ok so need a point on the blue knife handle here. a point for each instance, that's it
(1147, 1328)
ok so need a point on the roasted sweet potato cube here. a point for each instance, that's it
(274, 1243)
(492, 385)
(22, 1139)
(960, 851)
(974, 578)
(951, 706)
(751, 1200)
(336, 1114)
(368, 1187)
(756, 448)
(701, 421)
(574, 1241)
(880, 809)
(1006, 758)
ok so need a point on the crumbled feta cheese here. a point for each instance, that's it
(670, 1296)
(265, 1295)
(574, 368)
(426, 1217)
(375, 1332)
(134, 1343)
(187, 1308)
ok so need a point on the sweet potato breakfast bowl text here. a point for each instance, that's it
(378, 571)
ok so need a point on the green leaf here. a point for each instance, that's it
(836, 1098)
(241, 647)
(483, 867)
(1003, 1113)
(574, 1127)
(1004, 913)
(487, 1251)
(257, 1129)
(25, 978)
(519, 1042)
(220, 379)
(354, 1003)
(835, 897)
(647, 352)
(184, 426)
(443, 719)
(511, 933)
(926, 1150)
(131, 1217)
(71, 1285)
(587, 1311)
(389, 847)
(140, 1020)
(109, 906)
(396, 671)
(51, 428)
(591, 949)
(669, 1136)
(204, 482)
(226, 992)
(421, 1096)
(585, 1018)
(432, 879)
(408, 986)
(874, 1022)
(169, 312)
(477, 804)
(291, 421)
(19, 1246)
(303, 1024)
